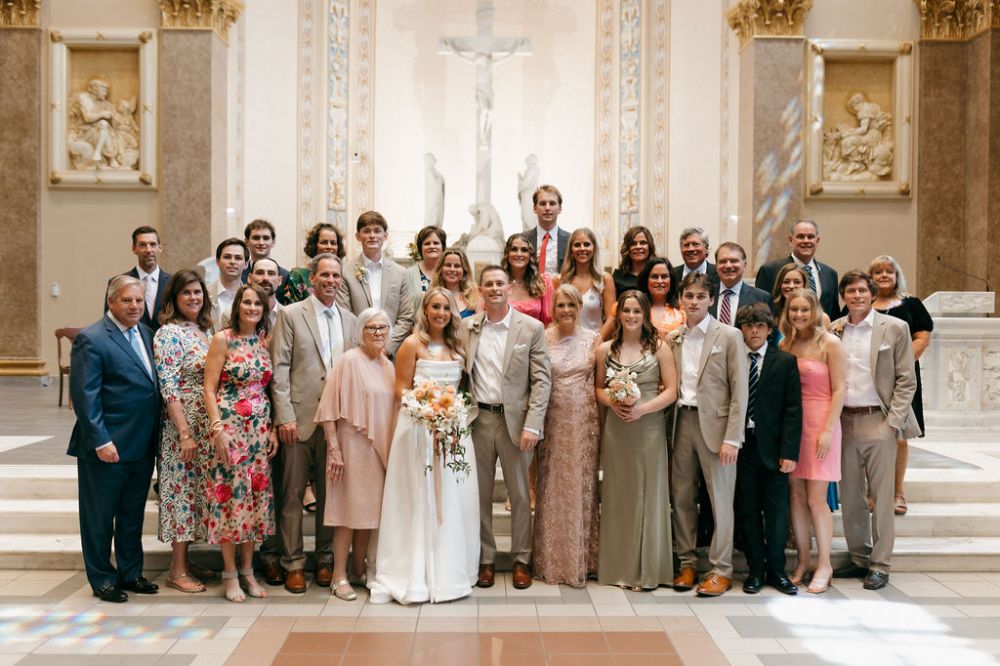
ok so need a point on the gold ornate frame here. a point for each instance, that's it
(61, 173)
(900, 56)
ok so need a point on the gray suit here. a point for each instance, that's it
(525, 386)
(562, 243)
(397, 301)
(697, 438)
(868, 450)
(299, 378)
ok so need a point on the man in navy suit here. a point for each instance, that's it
(548, 205)
(694, 252)
(147, 248)
(734, 293)
(822, 279)
(117, 403)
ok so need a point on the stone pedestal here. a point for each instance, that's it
(961, 368)
(20, 189)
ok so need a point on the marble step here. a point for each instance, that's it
(925, 554)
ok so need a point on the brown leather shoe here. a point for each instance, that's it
(521, 577)
(684, 580)
(295, 582)
(714, 585)
(324, 574)
(486, 575)
(274, 573)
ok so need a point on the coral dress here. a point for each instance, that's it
(240, 500)
(816, 396)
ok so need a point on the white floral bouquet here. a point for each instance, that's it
(621, 386)
(444, 411)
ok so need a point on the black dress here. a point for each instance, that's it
(913, 312)
(624, 281)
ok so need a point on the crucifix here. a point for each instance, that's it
(484, 50)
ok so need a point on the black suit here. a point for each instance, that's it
(161, 288)
(115, 400)
(678, 272)
(748, 295)
(829, 299)
(762, 503)
(562, 242)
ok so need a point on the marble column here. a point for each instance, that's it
(193, 43)
(958, 148)
(771, 108)
(20, 187)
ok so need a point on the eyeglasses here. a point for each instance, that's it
(377, 330)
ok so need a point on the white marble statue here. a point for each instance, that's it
(100, 134)
(862, 152)
(433, 193)
(486, 223)
(527, 183)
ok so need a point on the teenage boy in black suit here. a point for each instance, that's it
(771, 449)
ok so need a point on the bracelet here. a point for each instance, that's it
(185, 436)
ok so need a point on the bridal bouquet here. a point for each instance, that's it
(621, 386)
(445, 413)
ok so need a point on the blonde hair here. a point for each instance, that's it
(568, 270)
(572, 293)
(454, 332)
(790, 333)
(467, 285)
(886, 260)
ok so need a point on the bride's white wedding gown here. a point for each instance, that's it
(419, 560)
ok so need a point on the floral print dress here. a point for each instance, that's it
(179, 352)
(240, 503)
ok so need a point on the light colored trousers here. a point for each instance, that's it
(298, 463)
(868, 462)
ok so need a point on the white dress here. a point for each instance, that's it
(419, 560)
(592, 312)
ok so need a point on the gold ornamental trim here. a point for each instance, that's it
(956, 20)
(19, 13)
(22, 367)
(214, 15)
(767, 18)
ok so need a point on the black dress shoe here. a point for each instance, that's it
(112, 594)
(781, 583)
(852, 571)
(876, 580)
(753, 583)
(140, 586)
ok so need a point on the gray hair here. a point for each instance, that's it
(120, 282)
(883, 259)
(314, 262)
(791, 230)
(695, 231)
(367, 315)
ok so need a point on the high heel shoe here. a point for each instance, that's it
(819, 585)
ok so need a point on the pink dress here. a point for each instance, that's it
(816, 395)
(538, 308)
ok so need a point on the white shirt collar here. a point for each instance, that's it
(320, 307)
(735, 288)
(369, 264)
(761, 352)
(505, 322)
(121, 327)
(868, 321)
(155, 275)
(703, 324)
(700, 268)
(553, 232)
(811, 264)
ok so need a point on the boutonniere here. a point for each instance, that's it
(838, 330)
(414, 252)
(676, 336)
(360, 272)
(477, 324)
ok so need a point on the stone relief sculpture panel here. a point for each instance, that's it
(860, 151)
(958, 375)
(991, 378)
(102, 133)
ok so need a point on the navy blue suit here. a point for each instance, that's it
(115, 400)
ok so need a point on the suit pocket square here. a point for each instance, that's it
(884, 347)
(520, 346)
(716, 350)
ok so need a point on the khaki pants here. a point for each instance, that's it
(298, 462)
(690, 452)
(492, 441)
(868, 454)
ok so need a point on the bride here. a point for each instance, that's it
(428, 543)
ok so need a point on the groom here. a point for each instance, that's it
(508, 365)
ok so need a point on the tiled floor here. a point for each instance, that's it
(50, 617)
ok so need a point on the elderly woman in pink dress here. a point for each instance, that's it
(358, 413)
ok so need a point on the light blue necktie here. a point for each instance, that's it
(133, 338)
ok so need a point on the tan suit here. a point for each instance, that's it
(299, 378)
(397, 301)
(525, 388)
(868, 450)
(220, 319)
(698, 436)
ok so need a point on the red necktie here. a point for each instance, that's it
(541, 255)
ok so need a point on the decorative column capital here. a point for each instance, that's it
(214, 15)
(19, 13)
(767, 18)
(956, 20)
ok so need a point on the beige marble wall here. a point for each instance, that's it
(20, 191)
(192, 142)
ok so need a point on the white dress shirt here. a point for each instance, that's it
(331, 330)
(703, 268)
(487, 367)
(551, 250)
(273, 314)
(857, 340)
(373, 276)
(760, 366)
(149, 283)
(815, 272)
(225, 299)
(734, 301)
(691, 347)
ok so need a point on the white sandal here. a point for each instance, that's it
(234, 595)
(250, 585)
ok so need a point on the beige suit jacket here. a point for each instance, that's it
(219, 318)
(723, 373)
(297, 358)
(892, 370)
(397, 302)
(527, 377)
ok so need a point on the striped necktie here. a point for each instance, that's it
(725, 309)
(810, 277)
(752, 393)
